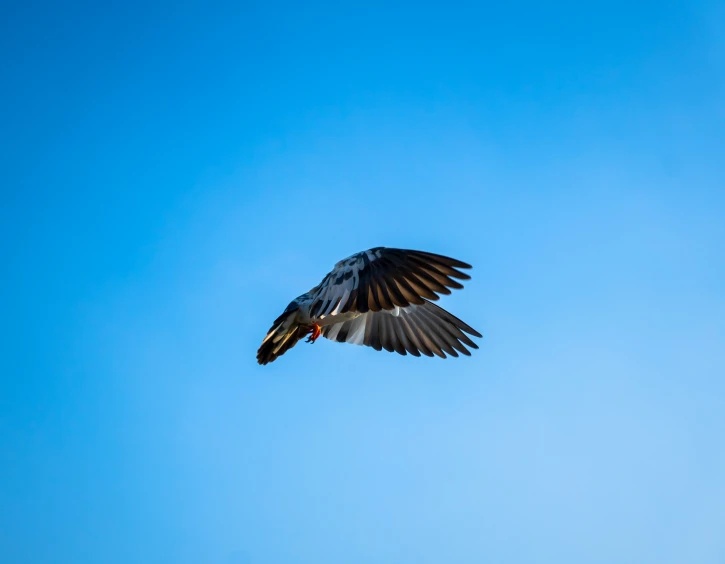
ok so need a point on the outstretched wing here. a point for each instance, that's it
(383, 279)
(416, 329)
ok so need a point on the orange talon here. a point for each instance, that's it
(316, 332)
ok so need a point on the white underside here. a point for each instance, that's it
(356, 335)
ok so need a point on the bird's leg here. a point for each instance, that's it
(315, 334)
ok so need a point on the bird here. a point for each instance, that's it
(381, 298)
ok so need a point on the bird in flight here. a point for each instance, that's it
(379, 298)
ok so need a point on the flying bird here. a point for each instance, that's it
(379, 298)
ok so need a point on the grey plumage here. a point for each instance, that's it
(379, 298)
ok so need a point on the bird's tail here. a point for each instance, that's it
(281, 337)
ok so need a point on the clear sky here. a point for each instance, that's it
(173, 174)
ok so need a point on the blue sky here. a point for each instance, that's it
(174, 174)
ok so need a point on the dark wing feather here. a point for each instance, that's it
(281, 337)
(426, 329)
(381, 279)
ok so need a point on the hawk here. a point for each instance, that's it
(379, 298)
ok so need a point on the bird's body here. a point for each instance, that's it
(378, 298)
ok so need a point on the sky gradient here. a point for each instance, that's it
(174, 174)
